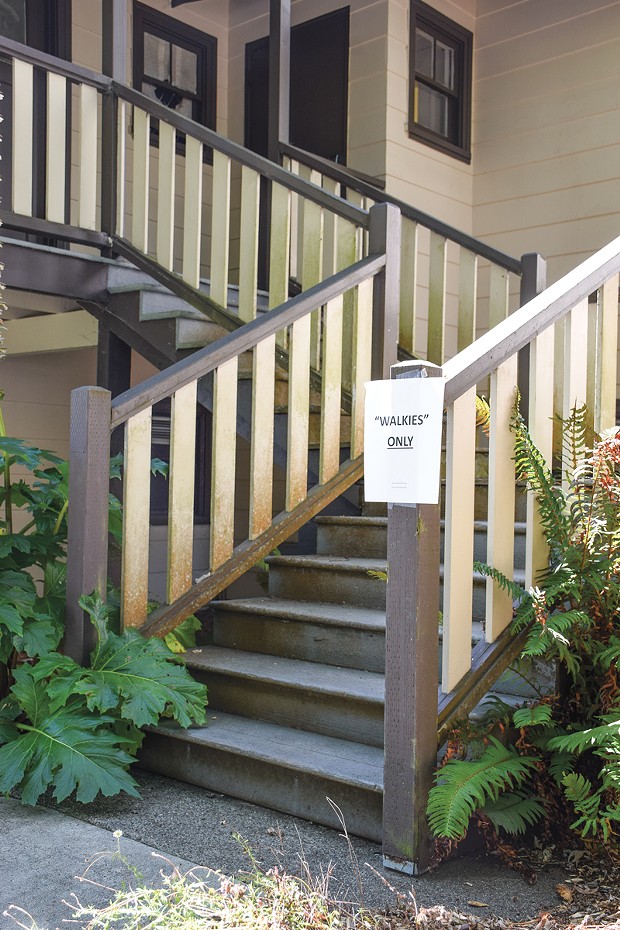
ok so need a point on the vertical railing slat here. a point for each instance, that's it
(330, 233)
(56, 161)
(498, 295)
(248, 245)
(459, 539)
(121, 166)
(331, 378)
(298, 414)
(408, 284)
(346, 254)
(312, 263)
(165, 195)
(87, 195)
(468, 295)
(501, 503)
(223, 459)
(136, 508)
(575, 343)
(540, 425)
(140, 178)
(279, 245)
(181, 490)
(192, 212)
(437, 298)
(261, 450)
(605, 409)
(23, 106)
(362, 363)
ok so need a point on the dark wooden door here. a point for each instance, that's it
(319, 87)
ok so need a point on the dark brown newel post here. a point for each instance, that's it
(114, 14)
(533, 282)
(411, 663)
(384, 237)
(89, 481)
(279, 76)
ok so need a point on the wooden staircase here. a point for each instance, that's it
(296, 682)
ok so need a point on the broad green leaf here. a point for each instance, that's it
(39, 637)
(11, 619)
(69, 749)
(11, 541)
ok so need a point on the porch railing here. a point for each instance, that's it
(272, 517)
(453, 287)
(571, 329)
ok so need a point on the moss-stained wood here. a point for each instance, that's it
(408, 284)
(192, 212)
(331, 390)
(223, 467)
(501, 501)
(298, 412)
(261, 450)
(607, 356)
(248, 244)
(437, 298)
(459, 539)
(541, 431)
(165, 195)
(468, 295)
(136, 502)
(498, 295)
(362, 363)
(181, 491)
(249, 552)
(140, 178)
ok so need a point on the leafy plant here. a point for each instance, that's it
(61, 725)
(564, 765)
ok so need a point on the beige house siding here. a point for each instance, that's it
(546, 127)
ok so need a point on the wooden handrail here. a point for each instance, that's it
(497, 345)
(352, 179)
(263, 166)
(57, 65)
(200, 363)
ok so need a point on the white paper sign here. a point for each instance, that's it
(402, 440)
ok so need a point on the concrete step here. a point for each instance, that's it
(367, 536)
(335, 634)
(341, 580)
(285, 769)
(339, 702)
(481, 496)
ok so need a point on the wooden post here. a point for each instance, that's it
(384, 237)
(533, 282)
(87, 549)
(279, 75)
(411, 663)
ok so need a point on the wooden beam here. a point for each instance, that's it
(55, 332)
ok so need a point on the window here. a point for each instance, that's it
(440, 81)
(175, 64)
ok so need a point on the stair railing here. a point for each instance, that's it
(571, 329)
(453, 286)
(277, 505)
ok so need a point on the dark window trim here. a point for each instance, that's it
(145, 19)
(424, 16)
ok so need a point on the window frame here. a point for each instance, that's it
(148, 20)
(424, 17)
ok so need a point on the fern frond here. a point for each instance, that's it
(514, 812)
(483, 415)
(515, 590)
(594, 738)
(532, 716)
(462, 787)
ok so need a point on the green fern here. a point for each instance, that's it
(532, 716)
(514, 812)
(463, 787)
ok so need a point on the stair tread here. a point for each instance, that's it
(382, 521)
(292, 673)
(355, 564)
(366, 618)
(301, 750)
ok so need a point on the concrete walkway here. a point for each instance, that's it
(43, 850)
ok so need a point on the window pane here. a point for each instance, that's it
(184, 69)
(444, 65)
(156, 57)
(172, 99)
(431, 109)
(13, 19)
(424, 45)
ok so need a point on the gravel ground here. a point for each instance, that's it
(202, 827)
